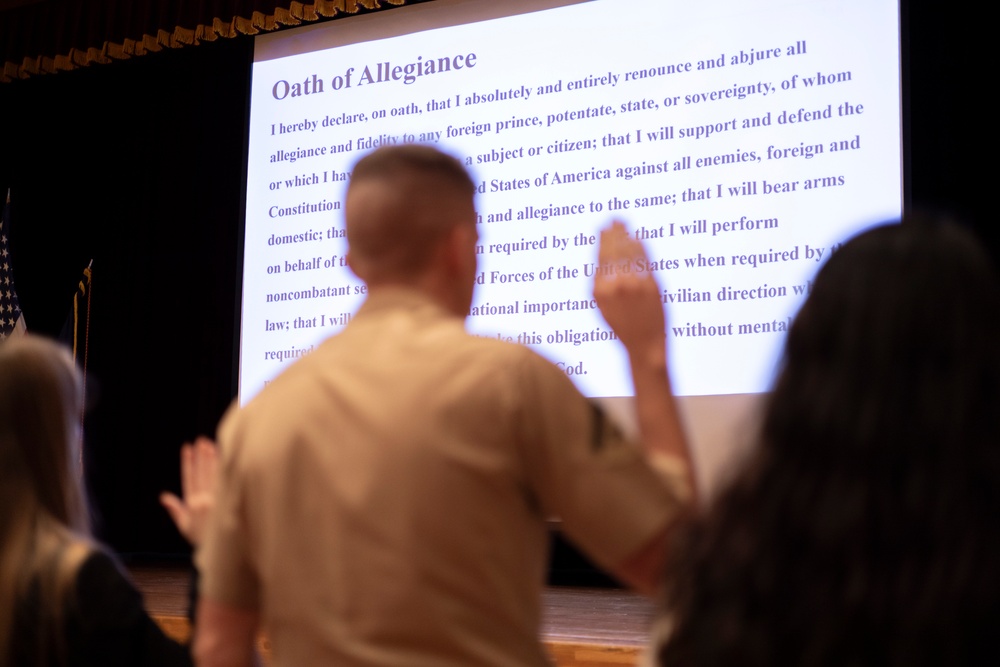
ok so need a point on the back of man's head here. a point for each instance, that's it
(401, 202)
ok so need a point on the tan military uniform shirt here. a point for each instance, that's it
(383, 501)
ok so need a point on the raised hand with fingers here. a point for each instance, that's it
(199, 470)
(629, 299)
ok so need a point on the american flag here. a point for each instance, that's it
(11, 318)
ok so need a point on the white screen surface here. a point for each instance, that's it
(741, 140)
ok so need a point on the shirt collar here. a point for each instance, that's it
(401, 298)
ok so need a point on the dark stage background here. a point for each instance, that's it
(138, 165)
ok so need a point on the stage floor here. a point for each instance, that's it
(581, 627)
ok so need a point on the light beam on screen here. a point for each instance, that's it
(742, 141)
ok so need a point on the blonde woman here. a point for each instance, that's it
(63, 599)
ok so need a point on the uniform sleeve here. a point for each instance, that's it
(224, 563)
(110, 626)
(585, 472)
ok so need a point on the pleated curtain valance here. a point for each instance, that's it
(47, 36)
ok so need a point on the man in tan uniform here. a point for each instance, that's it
(384, 501)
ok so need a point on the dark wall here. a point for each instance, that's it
(951, 123)
(139, 165)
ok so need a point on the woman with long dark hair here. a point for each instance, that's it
(864, 528)
(63, 599)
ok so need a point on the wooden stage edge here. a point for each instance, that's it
(581, 627)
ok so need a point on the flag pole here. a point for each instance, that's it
(86, 287)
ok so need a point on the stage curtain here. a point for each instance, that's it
(56, 35)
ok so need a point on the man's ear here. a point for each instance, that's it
(357, 266)
(454, 248)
